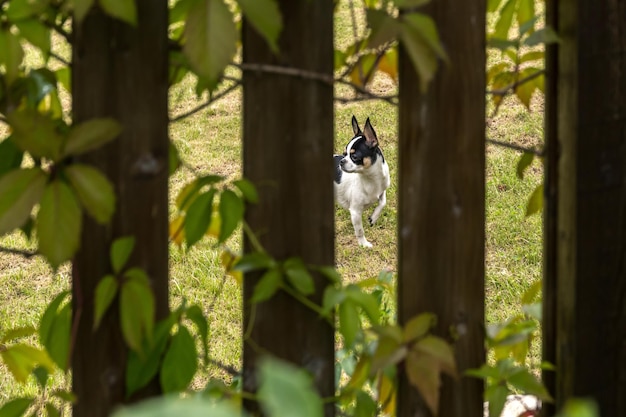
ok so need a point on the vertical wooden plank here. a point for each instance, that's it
(120, 71)
(550, 235)
(288, 147)
(442, 201)
(591, 284)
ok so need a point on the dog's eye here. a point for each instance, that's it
(354, 157)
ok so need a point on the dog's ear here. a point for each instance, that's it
(370, 135)
(355, 126)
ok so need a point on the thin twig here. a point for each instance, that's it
(60, 59)
(58, 29)
(25, 253)
(206, 104)
(515, 147)
(511, 87)
(230, 369)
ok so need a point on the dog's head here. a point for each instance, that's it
(362, 151)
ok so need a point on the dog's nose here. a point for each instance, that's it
(342, 162)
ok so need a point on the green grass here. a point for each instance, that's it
(210, 142)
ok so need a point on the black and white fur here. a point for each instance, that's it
(361, 178)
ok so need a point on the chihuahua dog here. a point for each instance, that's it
(361, 178)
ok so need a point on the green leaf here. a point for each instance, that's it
(527, 26)
(254, 261)
(195, 314)
(231, 211)
(136, 311)
(23, 9)
(21, 359)
(385, 28)
(525, 11)
(492, 5)
(211, 38)
(503, 24)
(265, 17)
(496, 397)
(366, 301)
(10, 156)
(51, 410)
(580, 407)
(545, 35)
(532, 56)
(11, 54)
(524, 162)
(247, 190)
(91, 135)
(423, 374)
(298, 276)
(140, 370)
(94, 191)
(16, 407)
(54, 330)
(349, 322)
(20, 189)
(123, 10)
(173, 158)
(267, 285)
(438, 349)
(287, 391)
(365, 405)
(173, 405)
(59, 223)
(190, 190)
(416, 29)
(329, 272)
(419, 326)
(532, 293)
(484, 372)
(17, 333)
(105, 293)
(410, 3)
(535, 202)
(332, 298)
(63, 76)
(81, 7)
(36, 134)
(389, 350)
(180, 362)
(36, 33)
(180, 10)
(121, 249)
(527, 383)
(66, 396)
(41, 374)
(198, 218)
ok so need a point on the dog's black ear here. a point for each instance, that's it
(355, 126)
(370, 135)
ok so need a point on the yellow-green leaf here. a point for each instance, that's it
(439, 350)
(136, 312)
(535, 202)
(94, 190)
(91, 135)
(59, 223)
(36, 134)
(16, 407)
(211, 38)
(11, 54)
(423, 374)
(21, 359)
(105, 293)
(20, 189)
(124, 10)
(81, 7)
(265, 17)
(418, 326)
(36, 33)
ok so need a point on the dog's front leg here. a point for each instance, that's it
(357, 223)
(382, 202)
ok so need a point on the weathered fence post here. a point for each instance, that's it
(288, 144)
(121, 72)
(442, 201)
(589, 283)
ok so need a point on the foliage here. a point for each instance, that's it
(52, 191)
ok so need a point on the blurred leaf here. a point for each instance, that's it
(136, 312)
(17, 333)
(524, 162)
(366, 301)
(198, 217)
(503, 24)
(211, 38)
(51, 410)
(423, 374)
(81, 7)
(389, 64)
(287, 391)
(267, 285)
(21, 359)
(36, 134)
(580, 407)
(174, 405)
(195, 314)
(254, 261)
(23, 9)
(525, 11)
(484, 372)
(361, 373)
(492, 5)
(124, 10)
(247, 190)
(532, 292)
(140, 370)
(105, 293)
(410, 3)
(11, 54)
(527, 25)
(54, 330)
(535, 202)
(332, 298)
(121, 249)
(180, 10)
(180, 362)
(67, 396)
(545, 35)
(496, 397)
(501, 44)
(299, 276)
(363, 71)
(231, 211)
(387, 394)
(10, 156)
(438, 349)
(389, 351)
(59, 223)
(265, 17)
(16, 407)
(91, 135)
(349, 322)
(419, 326)
(176, 230)
(36, 33)
(365, 405)
(94, 191)
(384, 27)
(525, 90)
(527, 383)
(20, 189)
(63, 76)
(330, 273)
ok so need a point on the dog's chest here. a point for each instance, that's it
(357, 191)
